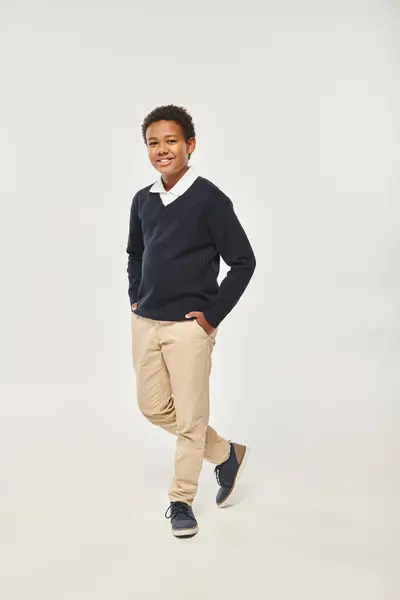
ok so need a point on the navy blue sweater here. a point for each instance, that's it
(174, 254)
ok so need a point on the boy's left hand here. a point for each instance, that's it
(199, 316)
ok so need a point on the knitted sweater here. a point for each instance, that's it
(174, 254)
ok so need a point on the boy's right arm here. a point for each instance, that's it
(135, 250)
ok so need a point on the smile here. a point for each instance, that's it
(165, 161)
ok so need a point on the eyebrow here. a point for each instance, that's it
(169, 135)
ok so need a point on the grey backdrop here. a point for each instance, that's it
(295, 106)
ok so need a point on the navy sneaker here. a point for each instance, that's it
(183, 521)
(227, 473)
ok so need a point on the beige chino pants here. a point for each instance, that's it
(172, 364)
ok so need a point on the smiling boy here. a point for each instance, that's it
(179, 228)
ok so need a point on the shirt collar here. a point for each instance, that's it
(179, 188)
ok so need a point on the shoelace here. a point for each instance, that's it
(177, 508)
(219, 476)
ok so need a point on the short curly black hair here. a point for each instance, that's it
(170, 112)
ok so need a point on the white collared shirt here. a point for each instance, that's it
(179, 188)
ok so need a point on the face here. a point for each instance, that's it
(168, 151)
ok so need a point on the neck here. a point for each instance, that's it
(170, 180)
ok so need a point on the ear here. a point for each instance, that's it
(191, 145)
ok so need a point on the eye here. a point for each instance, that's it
(152, 143)
(173, 141)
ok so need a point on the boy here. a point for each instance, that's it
(179, 228)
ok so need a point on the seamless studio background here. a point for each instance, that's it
(296, 112)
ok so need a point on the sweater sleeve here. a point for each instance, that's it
(135, 250)
(235, 249)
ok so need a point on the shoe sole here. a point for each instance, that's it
(228, 499)
(185, 533)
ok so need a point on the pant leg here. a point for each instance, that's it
(187, 351)
(153, 385)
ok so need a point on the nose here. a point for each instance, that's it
(161, 150)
